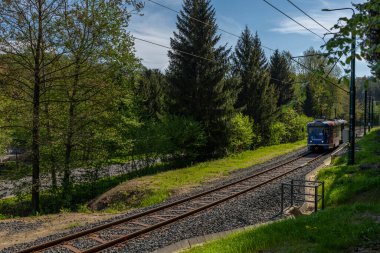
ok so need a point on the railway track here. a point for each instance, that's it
(120, 231)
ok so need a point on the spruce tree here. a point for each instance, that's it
(280, 71)
(257, 97)
(149, 94)
(196, 86)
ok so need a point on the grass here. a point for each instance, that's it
(351, 219)
(156, 184)
(74, 225)
(161, 186)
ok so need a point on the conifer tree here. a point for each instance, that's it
(149, 94)
(257, 97)
(196, 85)
(281, 77)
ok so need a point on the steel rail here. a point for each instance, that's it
(59, 241)
(179, 217)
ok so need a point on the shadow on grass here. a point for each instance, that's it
(81, 194)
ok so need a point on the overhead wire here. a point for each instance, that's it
(304, 12)
(190, 54)
(277, 9)
(184, 52)
(202, 22)
(195, 19)
(266, 47)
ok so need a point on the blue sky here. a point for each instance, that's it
(275, 30)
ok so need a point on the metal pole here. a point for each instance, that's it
(365, 111)
(351, 153)
(369, 114)
(316, 198)
(373, 112)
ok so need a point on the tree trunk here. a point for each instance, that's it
(70, 131)
(36, 117)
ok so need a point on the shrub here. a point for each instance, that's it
(186, 137)
(171, 136)
(241, 135)
(277, 133)
(295, 125)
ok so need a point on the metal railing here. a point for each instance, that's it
(303, 191)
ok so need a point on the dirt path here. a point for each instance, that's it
(20, 230)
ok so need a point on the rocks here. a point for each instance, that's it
(12, 188)
(294, 211)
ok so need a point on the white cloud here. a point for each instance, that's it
(157, 25)
(288, 26)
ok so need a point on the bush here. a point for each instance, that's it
(240, 133)
(171, 136)
(290, 127)
(277, 133)
(186, 137)
(295, 125)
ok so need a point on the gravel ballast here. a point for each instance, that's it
(255, 207)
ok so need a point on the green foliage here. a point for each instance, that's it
(257, 97)
(365, 26)
(277, 133)
(164, 180)
(321, 97)
(350, 225)
(81, 194)
(241, 133)
(345, 182)
(187, 137)
(149, 94)
(295, 125)
(281, 76)
(179, 138)
(290, 127)
(196, 87)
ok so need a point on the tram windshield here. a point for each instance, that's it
(316, 132)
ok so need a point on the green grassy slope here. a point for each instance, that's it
(351, 220)
(148, 186)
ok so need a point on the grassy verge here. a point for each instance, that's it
(352, 218)
(154, 189)
(148, 186)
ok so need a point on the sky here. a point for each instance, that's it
(275, 30)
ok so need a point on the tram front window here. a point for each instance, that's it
(316, 132)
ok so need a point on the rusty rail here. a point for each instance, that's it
(185, 213)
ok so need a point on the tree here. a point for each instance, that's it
(281, 77)
(196, 86)
(53, 59)
(149, 92)
(27, 36)
(96, 45)
(257, 97)
(321, 97)
(365, 26)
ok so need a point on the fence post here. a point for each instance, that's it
(316, 198)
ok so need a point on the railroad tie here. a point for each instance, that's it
(71, 248)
